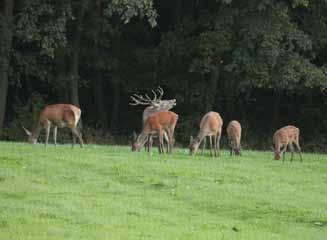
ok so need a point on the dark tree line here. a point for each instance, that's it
(262, 62)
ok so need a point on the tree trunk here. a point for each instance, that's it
(275, 122)
(74, 70)
(98, 86)
(213, 83)
(229, 96)
(115, 84)
(7, 16)
(61, 80)
(74, 63)
(114, 125)
(177, 12)
(100, 103)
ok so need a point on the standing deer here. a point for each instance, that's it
(210, 125)
(153, 105)
(60, 115)
(286, 136)
(234, 131)
(160, 123)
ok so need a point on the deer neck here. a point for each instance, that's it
(37, 130)
(141, 139)
(201, 135)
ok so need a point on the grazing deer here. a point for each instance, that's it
(210, 125)
(60, 115)
(234, 131)
(159, 122)
(286, 136)
(154, 105)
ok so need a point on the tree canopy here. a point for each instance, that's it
(262, 62)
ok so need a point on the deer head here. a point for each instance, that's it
(31, 135)
(194, 144)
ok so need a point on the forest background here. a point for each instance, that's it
(262, 62)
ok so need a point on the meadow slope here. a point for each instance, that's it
(108, 192)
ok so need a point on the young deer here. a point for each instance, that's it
(210, 125)
(234, 131)
(60, 115)
(160, 123)
(286, 136)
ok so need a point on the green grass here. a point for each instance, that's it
(108, 192)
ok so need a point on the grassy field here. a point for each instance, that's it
(108, 192)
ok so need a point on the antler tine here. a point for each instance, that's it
(139, 100)
(160, 91)
(155, 95)
(149, 99)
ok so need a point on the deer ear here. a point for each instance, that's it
(191, 139)
(26, 131)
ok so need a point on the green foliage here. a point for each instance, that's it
(127, 9)
(43, 23)
(233, 57)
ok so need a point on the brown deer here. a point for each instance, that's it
(154, 105)
(159, 123)
(210, 125)
(234, 132)
(286, 136)
(59, 115)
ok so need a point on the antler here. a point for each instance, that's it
(146, 100)
(161, 92)
(140, 100)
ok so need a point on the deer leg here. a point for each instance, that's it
(298, 149)
(231, 147)
(161, 142)
(147, 144)
(166, 136)
(78, 135)
(210, 142)
(73, 139)
(203, 145)
(218, 143)
(292, 150)
(170, 140)
(215, 144)
(284, 152)
(47, 132)
(55, 135)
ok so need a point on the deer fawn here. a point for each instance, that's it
(159, 122)
(210, 125)
(234, 131)
(60, 115)
(286, 136)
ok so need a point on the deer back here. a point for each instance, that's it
(234, 131)
(162, 119)
(162, 105)
(285, 135)
(211, 123)
(61, 114)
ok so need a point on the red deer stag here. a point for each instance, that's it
(210, 125)
(286, 136)
(60, 115)
(234, 131)
(155, 104)
(159, 122)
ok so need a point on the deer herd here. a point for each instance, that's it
(158, 121)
